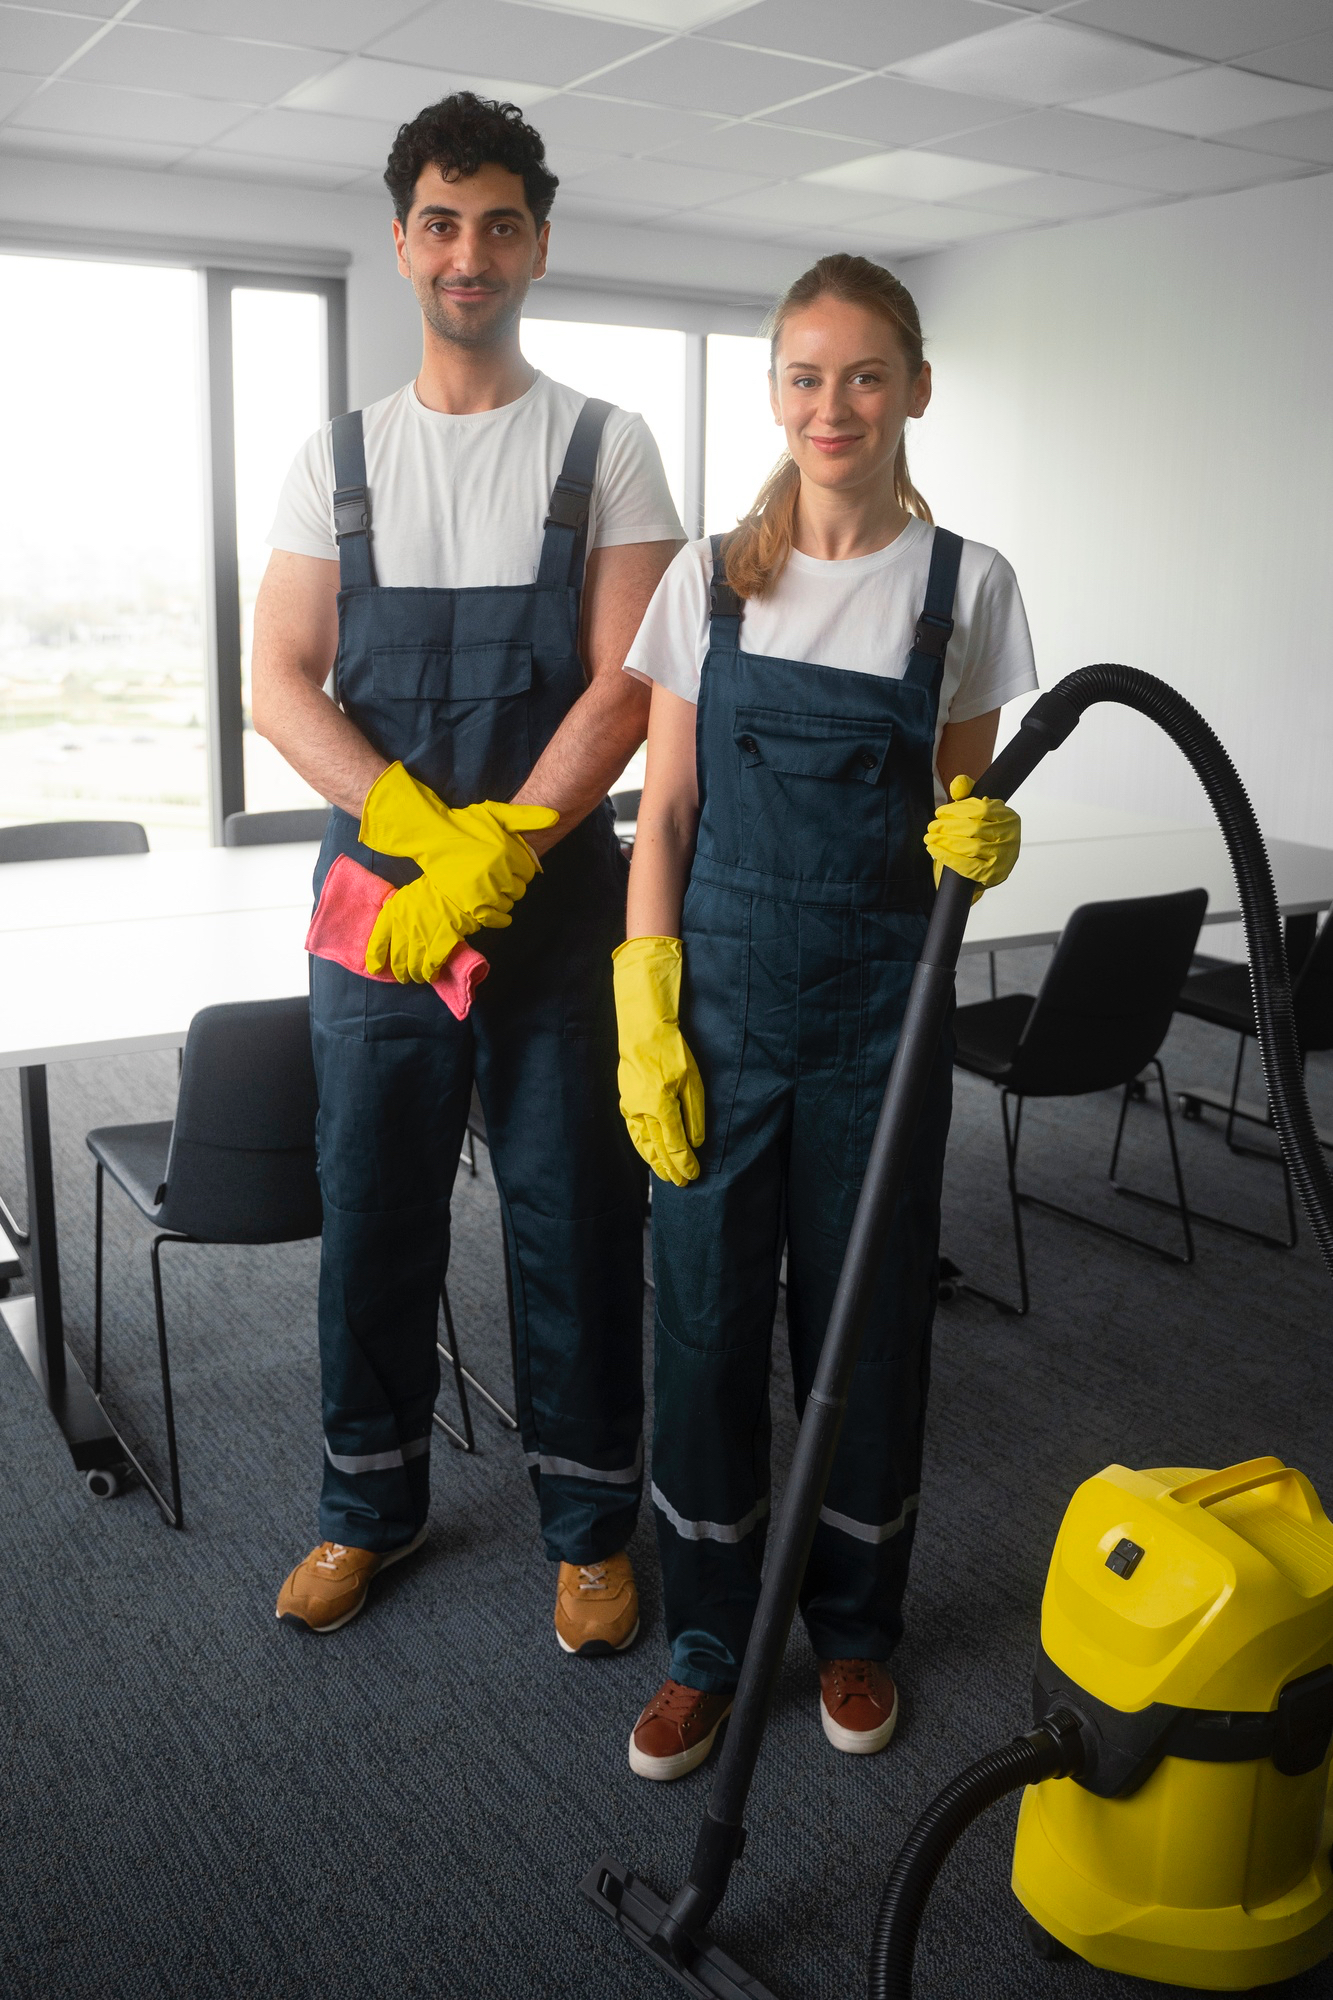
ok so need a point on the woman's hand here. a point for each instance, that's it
(661, 1091)
(978, 838)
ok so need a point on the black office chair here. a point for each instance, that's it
(1222, 997)
(1100, 1018)
(270, 829)
(61, 840)
(236, 1165)
(476, 1130)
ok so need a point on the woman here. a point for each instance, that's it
(818, 682)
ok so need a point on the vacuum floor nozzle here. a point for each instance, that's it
(639, 1910)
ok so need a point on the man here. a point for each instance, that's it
(481, 715)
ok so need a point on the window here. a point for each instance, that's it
(102, 696)
(278, 398)
(639, 367)
(742, 442)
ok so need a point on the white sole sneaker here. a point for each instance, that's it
(386, 1562)
(859, 1742)
(661, 1768)
(596, 1646)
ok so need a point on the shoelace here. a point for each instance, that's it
(592, 1577)
(673, 1701)
(853, 1677)
(330, 1557)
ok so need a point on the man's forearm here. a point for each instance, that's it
(587, 754)
(319, 742)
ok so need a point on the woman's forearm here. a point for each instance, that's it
(668, 821)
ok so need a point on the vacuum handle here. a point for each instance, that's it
(1231, 1480)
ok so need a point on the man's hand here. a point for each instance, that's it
(413, 934)
(475, 857)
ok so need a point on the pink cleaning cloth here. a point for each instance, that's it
(349, 903)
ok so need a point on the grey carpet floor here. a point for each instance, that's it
(197, 1801)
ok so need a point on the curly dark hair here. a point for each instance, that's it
(461, 134)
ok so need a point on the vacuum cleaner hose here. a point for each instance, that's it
(1050, 720)
(1052, 1751)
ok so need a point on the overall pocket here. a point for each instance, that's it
(459, 716)
(814, 796)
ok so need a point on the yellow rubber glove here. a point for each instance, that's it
(661, 1091)
(413, 934)
(474, 855)
(978, 838)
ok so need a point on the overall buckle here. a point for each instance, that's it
(570, 506)
(351, 512)
(932, 636)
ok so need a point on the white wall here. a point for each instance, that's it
(1138, 412)
(696, 282)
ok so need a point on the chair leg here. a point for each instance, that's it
(450, 1354)
(20, 1238)
(1175, 1161)
(174, 1514)
(97, 1281)
(464, 1439)
(1235, 1092)
(994, 991)
(960, 1284)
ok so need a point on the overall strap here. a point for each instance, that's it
(724, 606)
(351, 503)
(934, 628)
(566, 528)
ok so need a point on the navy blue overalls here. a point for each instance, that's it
(467, 687)
(804, 918)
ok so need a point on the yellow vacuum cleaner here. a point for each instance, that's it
(1184, 1683)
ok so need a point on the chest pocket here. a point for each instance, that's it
(814, 795)
(459, 716)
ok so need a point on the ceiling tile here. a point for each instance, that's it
(1040, 62)
(709, 76)
(925, 222)
(716, 222)
(800, 204)
(535, 43)
(1055, 198)
(1205, 101)
(214, 164)
(1307, 138)
(623, 213)
(314, 135)
(203, 65)
(917, 175)
(660, 183)
(316, 24)
(889, 111)
(568, 162)
(13, 90)
(865, 33)
(1216, 29)
(673, 16)
(88, 146)
(611, 127)
(1196, 166)
(369, 87)
(755, 148)
(1065, 141)
(1307, 61)
(159, 119)
(35, 44)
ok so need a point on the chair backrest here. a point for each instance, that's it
(1108, 996)
(71, 839)
(272, 828)
(626, 805)
(242, 1163)
(1312, 992)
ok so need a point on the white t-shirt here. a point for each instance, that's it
(859, 614)
(459, 502)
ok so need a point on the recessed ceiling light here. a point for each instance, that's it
(1040, 62)
(1209, 100)
(917, 176)
(667, 14)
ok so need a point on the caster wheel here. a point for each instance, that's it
(1044, 1945)
(103, 1482)
(947, 1292)
(1191, 1109)
(1138, 1090)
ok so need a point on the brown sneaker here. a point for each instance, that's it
(332, 1584)
(858, 1705)
(676, 1730)
(597, 1606)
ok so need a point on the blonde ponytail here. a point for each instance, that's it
(756, 553)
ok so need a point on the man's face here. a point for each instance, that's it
(471, 249)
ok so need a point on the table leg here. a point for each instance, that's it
(37, 1323)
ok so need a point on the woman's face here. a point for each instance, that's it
(842, 391)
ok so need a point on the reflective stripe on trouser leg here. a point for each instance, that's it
(394, 1072)
(571, 1197)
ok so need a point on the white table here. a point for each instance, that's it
(118, 954)
(112, 955)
